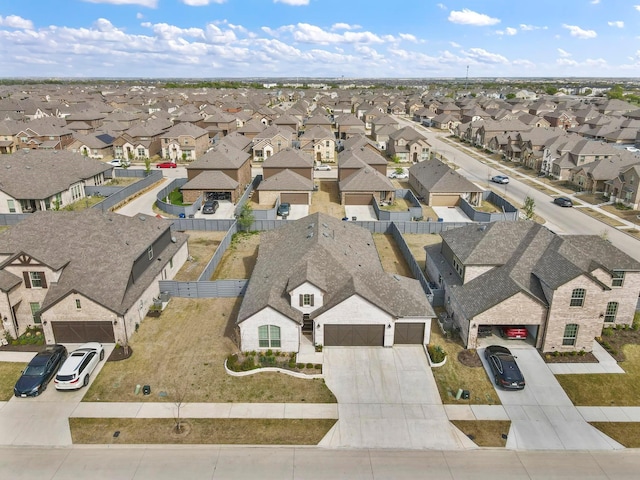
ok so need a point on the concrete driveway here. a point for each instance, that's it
(362, 213)
(387, 398)
(43, 420)
(542, 415)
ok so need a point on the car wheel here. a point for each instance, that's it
(101, 355)
(86, 381)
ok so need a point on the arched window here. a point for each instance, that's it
(268, 336)
(570, 334)
(577, 297)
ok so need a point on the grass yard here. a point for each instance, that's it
(607, 389)
(182, 353)
(390, 255)
(228, 431)
(454, 375)
(625, 433)
(202, 246)
(240, 258)
(9, 374)
(327, 199)
(629, 215)
(417, 242)
(485, 433)
(601, 217)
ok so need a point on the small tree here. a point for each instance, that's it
(147, 165)
(246, 217)
(395, 159)
(399, 170)
(179, 399)
(529, 207)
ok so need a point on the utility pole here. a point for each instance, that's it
(466, 82)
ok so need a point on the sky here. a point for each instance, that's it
(319, 38)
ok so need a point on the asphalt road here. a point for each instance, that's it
(309, 463)
(560, 220)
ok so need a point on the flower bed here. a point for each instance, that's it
(247, 361)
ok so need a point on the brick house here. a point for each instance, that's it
(564, 289)
(184, 141)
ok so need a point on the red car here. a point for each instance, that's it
(167, 165)
(515, 332)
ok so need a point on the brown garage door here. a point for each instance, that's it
(444, 200)
(295, 198)
(358, 198)
(81, 332)
(409, 333)
(354, 335)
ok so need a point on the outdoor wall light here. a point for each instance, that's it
(115, 322)
(317, 325)
(389, 326)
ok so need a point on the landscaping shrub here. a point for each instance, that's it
(436, 353)
(607, 332)
(309, 365)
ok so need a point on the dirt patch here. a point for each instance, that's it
(417, 243)
(327, 199)
(485, 433)
(469, 358)
(202, 246)
(240, 258)
(391, 256)
(120, 353)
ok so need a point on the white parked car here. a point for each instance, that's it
(78, 366)
(116, 162)
(398, 175)
(323, 168)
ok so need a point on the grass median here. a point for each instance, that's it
(9, 374)
(214, 431)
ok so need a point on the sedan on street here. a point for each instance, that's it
(322, 168)
(78, 366)
(40, 371)
(503, 179)
(506, 372)
(398, 175)
(563, 201)
(167, 165)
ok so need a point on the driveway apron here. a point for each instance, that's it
(542, 415)
(387, 398)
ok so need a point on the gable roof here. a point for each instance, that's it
(338, 257)
(438, 177)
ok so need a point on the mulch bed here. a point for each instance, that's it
(119, 353)
(21, 348)
(613, 343)
(587, 357)
(469, 358)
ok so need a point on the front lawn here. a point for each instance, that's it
(625, 433)
(9, 374)
(485, 433)
(228, 431)
(454, 375)
(182, 352)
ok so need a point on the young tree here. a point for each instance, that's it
(529, 207)
(246, 218)
(147, 165)
(179, 399)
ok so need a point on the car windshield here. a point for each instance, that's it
(35, 370)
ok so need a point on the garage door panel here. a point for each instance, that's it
(358, 198)
(295, 198)
(81, 332)
(408, 333)
(354, 335)
(445, 200)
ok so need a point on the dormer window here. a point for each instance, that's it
(306, 300)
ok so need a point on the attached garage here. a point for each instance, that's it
(81, 332)
(354, 335)
(358, 198)
(444, 200)
(295, 198)
(409, 333)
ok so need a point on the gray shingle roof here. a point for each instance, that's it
(366, 179)
(211, 180)
(438, 177)
(40, 174)
(289, 158)
(338, 257)
(286, 180)
(97, 251)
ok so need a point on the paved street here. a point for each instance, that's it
(193, 462)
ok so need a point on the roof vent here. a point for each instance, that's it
(142, 218)
(311, 225)
(325, 234)
(310, 235)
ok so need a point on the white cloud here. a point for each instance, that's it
(469, 17)
(595, 2)
(139, 16)
(482, 56)
(201, 3)
(579, 32)
(14, 21)
(441, 6)
(345, 26)
(408, 37)
(307, 33)
(563, 53)
(293, 3)
(617, 24)
(528, 28)
(142, 3)
(509, 31)
(637, 7)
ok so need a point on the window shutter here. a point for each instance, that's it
(27, 280)
(311, 300)
(44, 279)
(301, 300)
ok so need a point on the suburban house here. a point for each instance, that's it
(625, 187)
(93, 279)
(408, 145)
(140, 141)
(442, 186)
(563, 288)
(34, 180)
(93, 145)
(271, 140)
(320, 143)
(287, 177)
(362, 177)
(224, 171)
(48, 133)
(184, 141)
(319, 281)
(9, 130)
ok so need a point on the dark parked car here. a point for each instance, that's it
(40, 371)
(563, 201)
(506, 372)
(284, 209)
(210, 206)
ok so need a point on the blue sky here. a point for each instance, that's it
(319, 38)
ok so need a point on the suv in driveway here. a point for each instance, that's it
(210, 206)
(284, 209)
